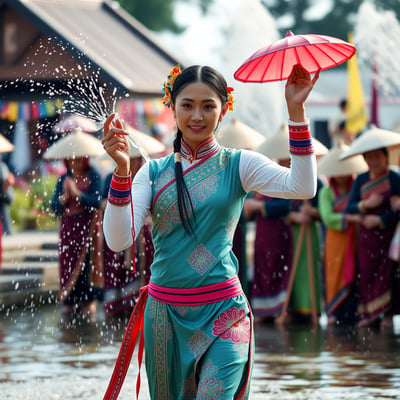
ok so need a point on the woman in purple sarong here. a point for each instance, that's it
(370, 197)
(76, 201)
(123, 277)
(272, 252)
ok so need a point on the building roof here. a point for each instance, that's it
(125, 51)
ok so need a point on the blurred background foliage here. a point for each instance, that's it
(296, 15)
(31, 206)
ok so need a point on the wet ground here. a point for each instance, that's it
(43, 358)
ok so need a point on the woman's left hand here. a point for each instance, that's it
(251, 206)
(395, 202)
(371, 221)
(116, 144)
(297, 89)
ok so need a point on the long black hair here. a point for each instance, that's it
(217, 82)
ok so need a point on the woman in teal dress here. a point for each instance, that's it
(197, 323)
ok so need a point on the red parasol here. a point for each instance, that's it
(275, 61)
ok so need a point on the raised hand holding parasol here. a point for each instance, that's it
(297, 89)
(275, 61)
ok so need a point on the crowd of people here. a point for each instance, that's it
(330, 254)
(163, 235)
(337, 252)
(90, 272)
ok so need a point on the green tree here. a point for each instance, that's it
(393, 5)
(158, 15)
(337, 22)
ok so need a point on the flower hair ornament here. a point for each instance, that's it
(169, 84)
(230, 98)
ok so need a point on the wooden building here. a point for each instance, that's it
(54, 52)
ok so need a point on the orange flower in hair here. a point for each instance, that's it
(230, 98)
(169, 84)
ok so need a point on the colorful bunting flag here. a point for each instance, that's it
(14, 111)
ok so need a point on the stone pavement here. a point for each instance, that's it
(29, 268)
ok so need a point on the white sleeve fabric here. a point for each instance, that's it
(117, 221)
(261, 174)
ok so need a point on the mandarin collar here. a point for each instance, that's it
(202, 150)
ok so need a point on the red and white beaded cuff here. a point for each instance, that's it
(119, 193)
(300, 140)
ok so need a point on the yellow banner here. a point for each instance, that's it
(356, 115)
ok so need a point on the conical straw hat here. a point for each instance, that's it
(150, 145)
(73, 122)
(372, 139)
(238, 135)
(73, 145)
(331, 166)
(276, 146)
(394, 153)
(140, 143)
(5, 145)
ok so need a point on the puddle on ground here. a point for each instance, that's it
(41, 357)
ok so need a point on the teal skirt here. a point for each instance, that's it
(199, 352)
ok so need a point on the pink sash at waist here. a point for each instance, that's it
(197, 296)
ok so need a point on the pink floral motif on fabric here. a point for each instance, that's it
(201, 259)
(189, 388)
(198, 343)
(210, 387)
(241, 348)
(164, 178)
(167, 221)
(201, 192)
(233, 325)
(170, 331)
(183, 310)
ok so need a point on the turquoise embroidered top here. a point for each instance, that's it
(217, 196)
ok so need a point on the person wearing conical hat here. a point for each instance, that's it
(306, 293)
(370, 199)
(273, 244)
(237, 135)
(337, 126)
(274, 241)
(339, 250)
(123, 276)
(7, 181)
(76, 201)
